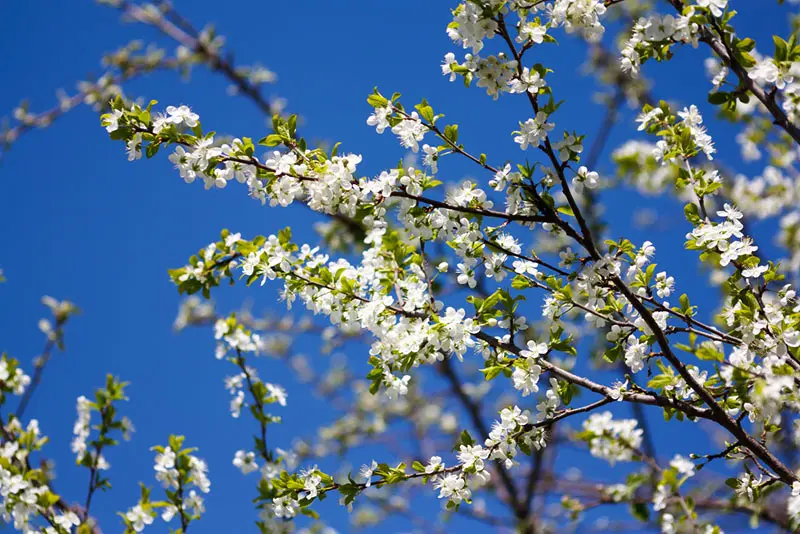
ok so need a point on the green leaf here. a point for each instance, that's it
(639, 511)
(271, 140)
(706, 352)
(566, 210)
(781, 49)
(451, 133)
(285, 236)
(310, 513)
(659, 382)
(425, 110)
(521, 282)
(718, 98)
(465, 439)
(377, 100)
(692, 213)
(490, 373)
(152, 150)
(746, 45)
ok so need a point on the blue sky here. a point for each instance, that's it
(82, 223)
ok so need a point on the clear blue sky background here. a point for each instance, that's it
(80, 222)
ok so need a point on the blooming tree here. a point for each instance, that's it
(511, 277)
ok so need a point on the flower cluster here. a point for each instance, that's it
(89, 453)
(182, 475)
(681, 139)
(612, 440)
(652, 37)
(13, 379)
(25, 494)
(352, 296)
(720, 238)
